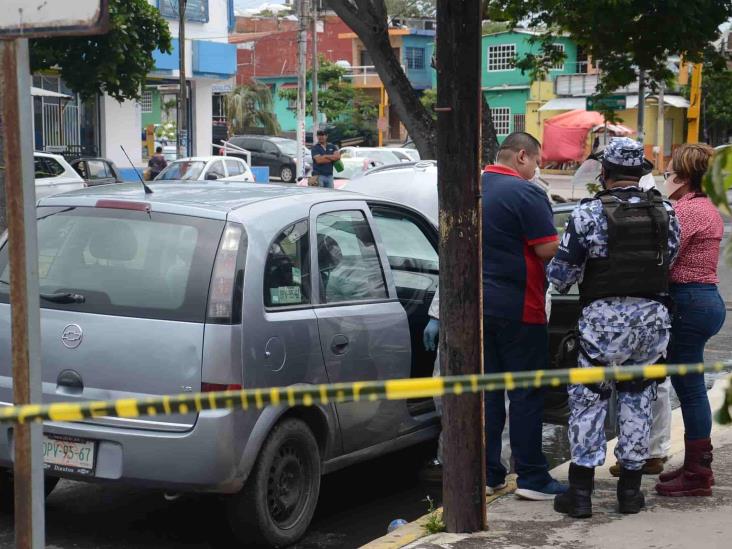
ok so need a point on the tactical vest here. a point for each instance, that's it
(638, 257)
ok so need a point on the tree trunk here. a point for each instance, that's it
(3, 220)
(489, 139)
(367, 18)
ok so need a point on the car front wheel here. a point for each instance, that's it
(276, 505)
(287, 175)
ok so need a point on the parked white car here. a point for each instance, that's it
(54, 175)
(384, 155)
(207, 168)
(413, 154)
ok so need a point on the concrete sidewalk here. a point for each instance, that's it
(666, 523)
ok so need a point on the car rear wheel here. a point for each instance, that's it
(276, 505)
(287, 175)
(7, 489)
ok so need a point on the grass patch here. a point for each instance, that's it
(434, 524)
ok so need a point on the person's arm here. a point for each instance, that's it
(537, 222)
(568, 265)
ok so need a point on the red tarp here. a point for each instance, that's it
(565, 135)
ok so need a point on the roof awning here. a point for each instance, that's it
(631, 101)
(40, 92)
(288, 86)
(564, 104)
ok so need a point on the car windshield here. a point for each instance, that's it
(124, 262)
(385, 157)
(182, 169)
(287, 146)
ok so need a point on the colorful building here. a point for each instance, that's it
(505, 87)
(414, 48)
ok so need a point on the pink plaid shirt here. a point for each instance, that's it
(702, 229)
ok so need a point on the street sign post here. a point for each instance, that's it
(607, 102)
(19, 20)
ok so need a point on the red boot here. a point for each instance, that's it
(695, 478)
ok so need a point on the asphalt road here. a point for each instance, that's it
(356, 504)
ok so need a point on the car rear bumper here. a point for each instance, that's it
(206, 458)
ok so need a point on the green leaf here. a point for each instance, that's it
(718, 179)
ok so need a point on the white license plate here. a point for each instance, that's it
(68, 454)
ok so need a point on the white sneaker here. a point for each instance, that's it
(490, 490)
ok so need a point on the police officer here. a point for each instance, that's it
(618, 246)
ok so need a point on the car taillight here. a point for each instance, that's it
(214, 387)
(223, 302)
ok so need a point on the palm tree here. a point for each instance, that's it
(251, 106)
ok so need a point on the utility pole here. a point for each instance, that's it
(302, 44)
(641, 106)
(315, 67)
(183, 92)
(461, 296)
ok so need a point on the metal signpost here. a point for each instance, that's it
(20, 20)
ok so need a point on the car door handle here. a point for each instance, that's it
(339, 345)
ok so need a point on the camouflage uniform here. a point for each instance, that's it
(613, 331)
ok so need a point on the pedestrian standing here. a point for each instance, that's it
(618, 246)
(518, 237)
(698, 315)
(157, 163)
(324, 156)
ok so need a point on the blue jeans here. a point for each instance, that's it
(698, 315)
(326, 181)
(514, 346)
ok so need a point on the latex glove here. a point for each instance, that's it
(431, 332)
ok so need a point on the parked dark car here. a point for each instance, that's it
(96, 171)
(277, 153)
(346, 137)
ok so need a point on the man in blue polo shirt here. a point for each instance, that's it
(519, 237)
(324, 155)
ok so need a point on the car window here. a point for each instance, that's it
(47, 167)
(253, 145)
(287, 146)
(270, 148)
(182, 169)
(97, 169)
(216, 168)
(125, 263)
(287, 272)
(234, 167)
(80, 168)
(348, 261)
(407, 247)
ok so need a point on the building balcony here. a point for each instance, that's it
(583, 85)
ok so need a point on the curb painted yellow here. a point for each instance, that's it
(416, 530)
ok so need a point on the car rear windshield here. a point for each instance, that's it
(124, 262)
(182, 169)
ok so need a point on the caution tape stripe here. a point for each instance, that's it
(394, 389)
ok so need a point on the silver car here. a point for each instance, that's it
(204, 287)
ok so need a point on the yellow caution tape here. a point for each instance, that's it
(393, 389)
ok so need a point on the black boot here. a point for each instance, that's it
(630, 497)
(577, 501)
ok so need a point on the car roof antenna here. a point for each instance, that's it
(148, 190)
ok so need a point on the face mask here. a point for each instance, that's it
(670, 188)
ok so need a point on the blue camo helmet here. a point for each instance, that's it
(624, 152)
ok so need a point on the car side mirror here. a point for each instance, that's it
(211, 177)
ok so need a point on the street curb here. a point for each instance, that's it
(409, 533)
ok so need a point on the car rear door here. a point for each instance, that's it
(364, 332)
(137, 329)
